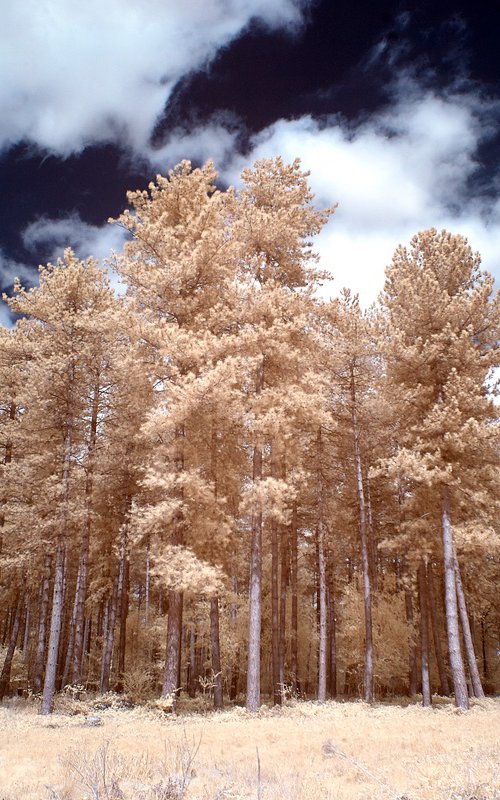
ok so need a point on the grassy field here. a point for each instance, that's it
(304, 751)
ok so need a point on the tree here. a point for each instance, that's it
(440, 339)
(180, 268)
(62, 327)
(274, 220)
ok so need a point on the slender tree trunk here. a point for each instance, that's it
(193, 678)
(372, 542)
(424, 635)
(6, 460)
(255, 578)
(79, 608)
(456, 660)
(173, 652)
(87, 630)
(55, 631)
(294, 637)
(26, 632)
(323, 634)
(59, 577)
(467, 634)
(275, 623)
(109, 638)
(254, 615)
(412, 649)
(233, 689)
(443, 678)
(215, 647)
(332, 637)
(42, 626)
(81, 593)
(65, 627)
(115, 605)
(14, 634)
(483, 648)
(173, 649)
(283, 587)
(122, 623)
(367, 597)
(275, 631)
(147, 589)
(322, 604)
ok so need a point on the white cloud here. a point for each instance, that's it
(75, 73)
(11, 269)
(214, 140)
(396, 173)
(53, 237)
(400, 171)
(86, 240)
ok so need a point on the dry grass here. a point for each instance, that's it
(338, 751)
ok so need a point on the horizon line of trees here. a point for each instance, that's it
(222, 481)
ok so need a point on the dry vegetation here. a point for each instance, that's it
(305, 750)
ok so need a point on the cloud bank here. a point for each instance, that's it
(399, 171)
(76, 73)
(407, 168)
(79, 73)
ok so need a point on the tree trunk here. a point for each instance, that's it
(7, 664)
(26, 632)
(109, 637)
(443, 678)
(79, 608)
(42, 627)
(275, 630)
(147, 590)
(173, 649)
(367, 598)
(283, 587)
(235, 671)
(456, 660)
(332, 636)
(372, 542)
(412, 649)
(115, 605)
(87, 630)
(6, 460)
(467, 634)
(193, 677)
(323, 638)
(254, 611)
(55, 631)
(122, 622)
(424, 635)
(215, 647)
(81, 593)
(59, 577)
(483, 648)
(173, 652)
(294, 638)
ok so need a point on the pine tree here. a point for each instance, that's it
(440, 340)
(62, 327)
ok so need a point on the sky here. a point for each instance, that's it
(393, 106)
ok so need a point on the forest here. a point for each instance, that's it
(219, 483)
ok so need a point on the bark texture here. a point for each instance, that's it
(453, 631)
(365, 563)
(424, 635)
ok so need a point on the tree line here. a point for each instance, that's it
(221, 480)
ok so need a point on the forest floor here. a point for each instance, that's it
(336, 751)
